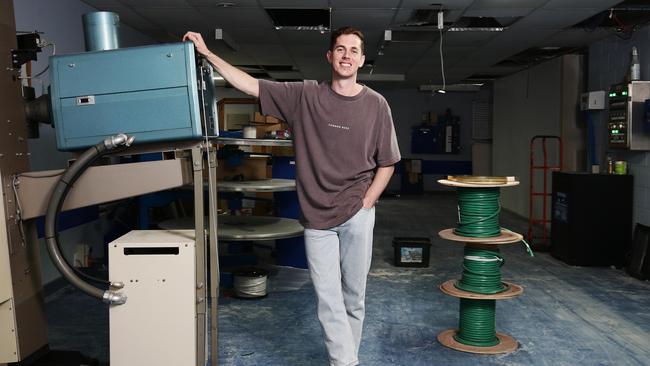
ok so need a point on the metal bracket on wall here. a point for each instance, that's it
(28, 47)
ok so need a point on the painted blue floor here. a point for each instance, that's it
(566, 316)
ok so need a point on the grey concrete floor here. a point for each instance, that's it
(566, 316)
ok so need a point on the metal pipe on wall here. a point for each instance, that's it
(101, 30)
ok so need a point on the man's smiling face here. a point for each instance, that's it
(346, 56)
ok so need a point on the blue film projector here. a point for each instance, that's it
(156, 93)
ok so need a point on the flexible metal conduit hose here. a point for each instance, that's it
(54, 207)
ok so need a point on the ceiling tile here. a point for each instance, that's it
(505, 4)
(307, 52)
(306, 62)
(574, 38)
(173, 17)
(314, 69)
(496, 12)
(131, 18)
(136, 21)
(268, 54)
(426, 4)
(156, 3)
(467, 38)
(590, 4)
(235, 58)
(235, 17)
(362, 18)
(404, 51)
(403, 16)
(293, 4)
(451, 52)
(253, 35)
(554, 18)
(292, 37)
(99, 4)
(496, 70)
(506, 44)
(377, 4)
(214, 3)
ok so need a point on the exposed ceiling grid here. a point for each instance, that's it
(535, 23)
(294, 4)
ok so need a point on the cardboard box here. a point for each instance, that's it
(236, 121)
(261, 149)
(282, 151)
(251, 168)
(260, 118)
(262, 130)
(273, 120)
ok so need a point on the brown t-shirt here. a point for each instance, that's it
(338, 142)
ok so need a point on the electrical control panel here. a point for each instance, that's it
(156, 93)
(626, 126)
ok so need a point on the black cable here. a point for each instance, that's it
(57, 198)
(58, 243)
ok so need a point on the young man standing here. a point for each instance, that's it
(345, 147)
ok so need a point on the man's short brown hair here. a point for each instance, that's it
(345, 30)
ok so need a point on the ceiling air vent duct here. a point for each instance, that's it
(482, 24)
(301, 19)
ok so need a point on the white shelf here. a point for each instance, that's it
(244, 228)
(255, 142)
(265, 185)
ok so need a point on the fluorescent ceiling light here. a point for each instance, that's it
(476, 29)
(319, 28)
(452, 88)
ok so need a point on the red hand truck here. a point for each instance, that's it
(544, 221)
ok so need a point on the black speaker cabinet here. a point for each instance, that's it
(639, 266)
(591, 218)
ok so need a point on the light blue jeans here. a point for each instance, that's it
(339, 262)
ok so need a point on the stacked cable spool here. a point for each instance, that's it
(480, 284)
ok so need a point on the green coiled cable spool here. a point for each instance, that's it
(477, 324)
(480, 285)
(478, 212)
(481, 271)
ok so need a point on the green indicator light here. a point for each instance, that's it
(612, 94)
(624, 93)
(614, 131)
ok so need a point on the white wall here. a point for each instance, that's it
(539, 101)
(60, 21)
